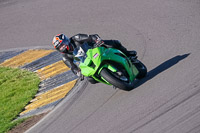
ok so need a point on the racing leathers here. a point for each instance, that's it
(94, 41)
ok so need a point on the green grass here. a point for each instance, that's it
(17, 88)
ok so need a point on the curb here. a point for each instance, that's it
(57, 80)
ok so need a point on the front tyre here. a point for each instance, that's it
(115, 81)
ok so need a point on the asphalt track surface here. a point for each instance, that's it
(166, 35)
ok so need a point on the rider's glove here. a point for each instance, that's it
(98, 41)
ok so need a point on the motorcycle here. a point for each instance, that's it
(109, 66)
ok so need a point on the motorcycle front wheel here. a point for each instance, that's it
(116, 81)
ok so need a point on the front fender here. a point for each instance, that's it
(110, 67)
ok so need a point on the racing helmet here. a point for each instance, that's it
(62, 43)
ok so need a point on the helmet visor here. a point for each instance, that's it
(62, 47)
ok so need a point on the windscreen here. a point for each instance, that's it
(80, 53)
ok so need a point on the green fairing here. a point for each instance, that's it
(95, 58)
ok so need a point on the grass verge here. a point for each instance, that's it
(17, 88)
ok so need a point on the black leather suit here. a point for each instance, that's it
(79, 39)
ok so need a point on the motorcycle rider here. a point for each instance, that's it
(66, 46)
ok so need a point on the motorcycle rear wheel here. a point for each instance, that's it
(141, 68)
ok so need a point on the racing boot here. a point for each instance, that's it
(119, 46)
(131, 53)
(132, 56)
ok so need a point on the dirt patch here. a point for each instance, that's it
(21, 128)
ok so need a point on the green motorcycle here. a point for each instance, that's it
(109, 66)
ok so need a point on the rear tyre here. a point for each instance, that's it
(112, 79)
(141, 68)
